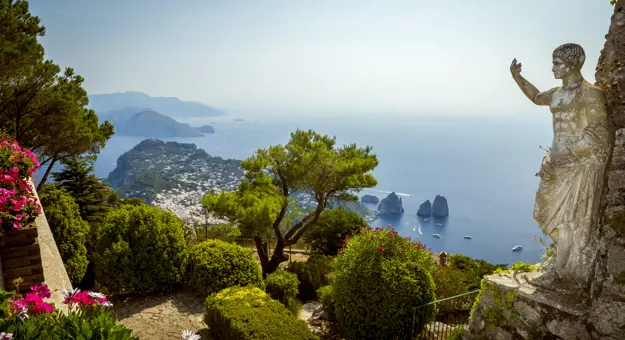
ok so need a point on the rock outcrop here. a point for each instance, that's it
(370, 199)
(425, 209)
(440, 207)
(391, 205)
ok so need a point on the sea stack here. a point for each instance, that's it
(439, 207)
(425, 209)
(391, 205)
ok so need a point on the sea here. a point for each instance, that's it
(484, 165)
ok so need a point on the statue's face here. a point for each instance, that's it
(560, 68)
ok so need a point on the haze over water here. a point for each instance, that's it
(485, 167)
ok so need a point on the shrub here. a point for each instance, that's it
(248, 313)
(327, 235)
(326, 294)
(140, 249)
(213, 265)
(473, 269)
(30, 317)
(379, 278)
(282, 286)
(68, 228)
(312, 275)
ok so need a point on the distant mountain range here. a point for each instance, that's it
(138, 101)
(149, 124)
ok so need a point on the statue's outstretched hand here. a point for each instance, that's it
(515, 68)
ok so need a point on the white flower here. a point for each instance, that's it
(189, 335)
(96, 295)
(6, 336)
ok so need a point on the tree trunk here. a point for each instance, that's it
(609, 236)
(45, 176)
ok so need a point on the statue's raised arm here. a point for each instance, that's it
(530, 91)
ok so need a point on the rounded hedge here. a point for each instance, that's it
(282, 286)
(248, 313)
(68, 229)
(213, 265)
(379, 279)
(140, 249)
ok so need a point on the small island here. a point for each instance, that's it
(425, 209)
(440, 207)
(370, 199)
(205, 129)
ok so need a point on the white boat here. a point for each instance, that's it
(439, 224)
(518, 247)
(437, 235)
(468, 237)
(424, 220)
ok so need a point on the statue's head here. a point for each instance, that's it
(566, 59)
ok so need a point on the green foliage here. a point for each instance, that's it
(326, 295)
(18, 38)
(327, 235)
(612, 2)
(140, 249)
(214, 265)
(99, 324)
(456, 334)
(309, 161)
(379, 279)
(282, 286)
(312, 275)
(248, 313)
(68, 228)
(473, 269)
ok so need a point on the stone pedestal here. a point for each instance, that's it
(511, 308)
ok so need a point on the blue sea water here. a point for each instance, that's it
(484, 166)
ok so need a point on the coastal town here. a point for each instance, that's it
(175, 176)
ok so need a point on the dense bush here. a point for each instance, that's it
(474, 270)
(213, 265)
(70, 231)
(140, 249)
(326, 295)
(327, 235)
(282, 286)
(379, 278)
(312, 275)
(30, 317)
(248, 313)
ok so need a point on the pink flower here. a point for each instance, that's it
(380, 250)
(42, 291)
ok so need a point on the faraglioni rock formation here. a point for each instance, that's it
(425, 209)
(440, 207)
(370, 199)
(391, 205)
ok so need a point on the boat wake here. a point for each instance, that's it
(420, 232)
(388, 192)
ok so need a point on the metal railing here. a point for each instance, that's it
(440, 319)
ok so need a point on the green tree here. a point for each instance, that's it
(18, 38)
(327, 235)
(94, 198)
(42, 108)
(308, 162)
(68, 228)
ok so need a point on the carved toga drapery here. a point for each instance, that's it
(572, 176)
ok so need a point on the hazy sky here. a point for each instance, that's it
(350, 55)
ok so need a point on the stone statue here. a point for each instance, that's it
(572, 173)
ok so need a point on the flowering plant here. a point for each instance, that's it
(18, 205)
(30, 317)
(388, 243)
